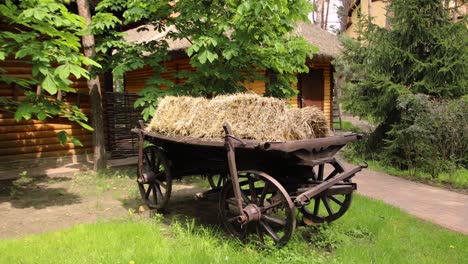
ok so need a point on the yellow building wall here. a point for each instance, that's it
(378, 13)
(352, 24)
(293, 101)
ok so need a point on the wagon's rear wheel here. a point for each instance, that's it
(154, 178)
(275, 220)
(217, 181)
(328, 206)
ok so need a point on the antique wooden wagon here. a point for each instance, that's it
(263, 186)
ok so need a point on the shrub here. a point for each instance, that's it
(431, 136)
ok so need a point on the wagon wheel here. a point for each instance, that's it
(276, 222)
(217, 181)
(327, 207)
(155, 183)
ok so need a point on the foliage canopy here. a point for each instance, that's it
(230, 43)
(47, 35)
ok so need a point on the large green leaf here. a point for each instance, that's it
(49, 84)
(63, 136)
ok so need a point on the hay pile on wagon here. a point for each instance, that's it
(250, 116)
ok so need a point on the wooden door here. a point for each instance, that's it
(312, 88)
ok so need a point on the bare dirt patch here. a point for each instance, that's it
(32, 205)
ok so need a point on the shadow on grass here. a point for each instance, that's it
(182, 205)
(36, 192)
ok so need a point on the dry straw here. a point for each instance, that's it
(250, 116)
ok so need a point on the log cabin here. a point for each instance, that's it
(32, 143)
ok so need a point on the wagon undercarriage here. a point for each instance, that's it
(263, 186)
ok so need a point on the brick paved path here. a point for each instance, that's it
(440, 206)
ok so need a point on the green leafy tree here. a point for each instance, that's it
(47, 35)
(231, 41)
(422, 53)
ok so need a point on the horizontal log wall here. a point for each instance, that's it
(135, 80)
(33, 139)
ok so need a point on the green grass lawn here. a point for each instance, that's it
(371, 232)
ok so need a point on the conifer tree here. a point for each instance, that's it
(423, 52)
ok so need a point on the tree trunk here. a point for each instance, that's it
(322, 14)
(94, 86)
(326, 15)
(318, 12)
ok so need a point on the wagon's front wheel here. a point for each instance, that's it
(271, 210)
(331, 204)
(154, 178)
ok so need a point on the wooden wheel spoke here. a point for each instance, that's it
(269, 230)
(316, 206)
(156, 165)
(243, 183)
(220, 181)
(273, 205)
(336, 200)
(147, 158)
(232, 219)
(260, 232)
(320, 172)
(253, 193)
(147, 193)
(264, 193)
(155, 194)
(327, 205)
(245, 198)
(160, 183)
(160, 175)
(231, 201)
(274, 220)
(332, 174)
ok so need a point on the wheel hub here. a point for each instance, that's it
(147, 176)
(253, 213)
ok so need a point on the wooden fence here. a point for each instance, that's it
(121, 118)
